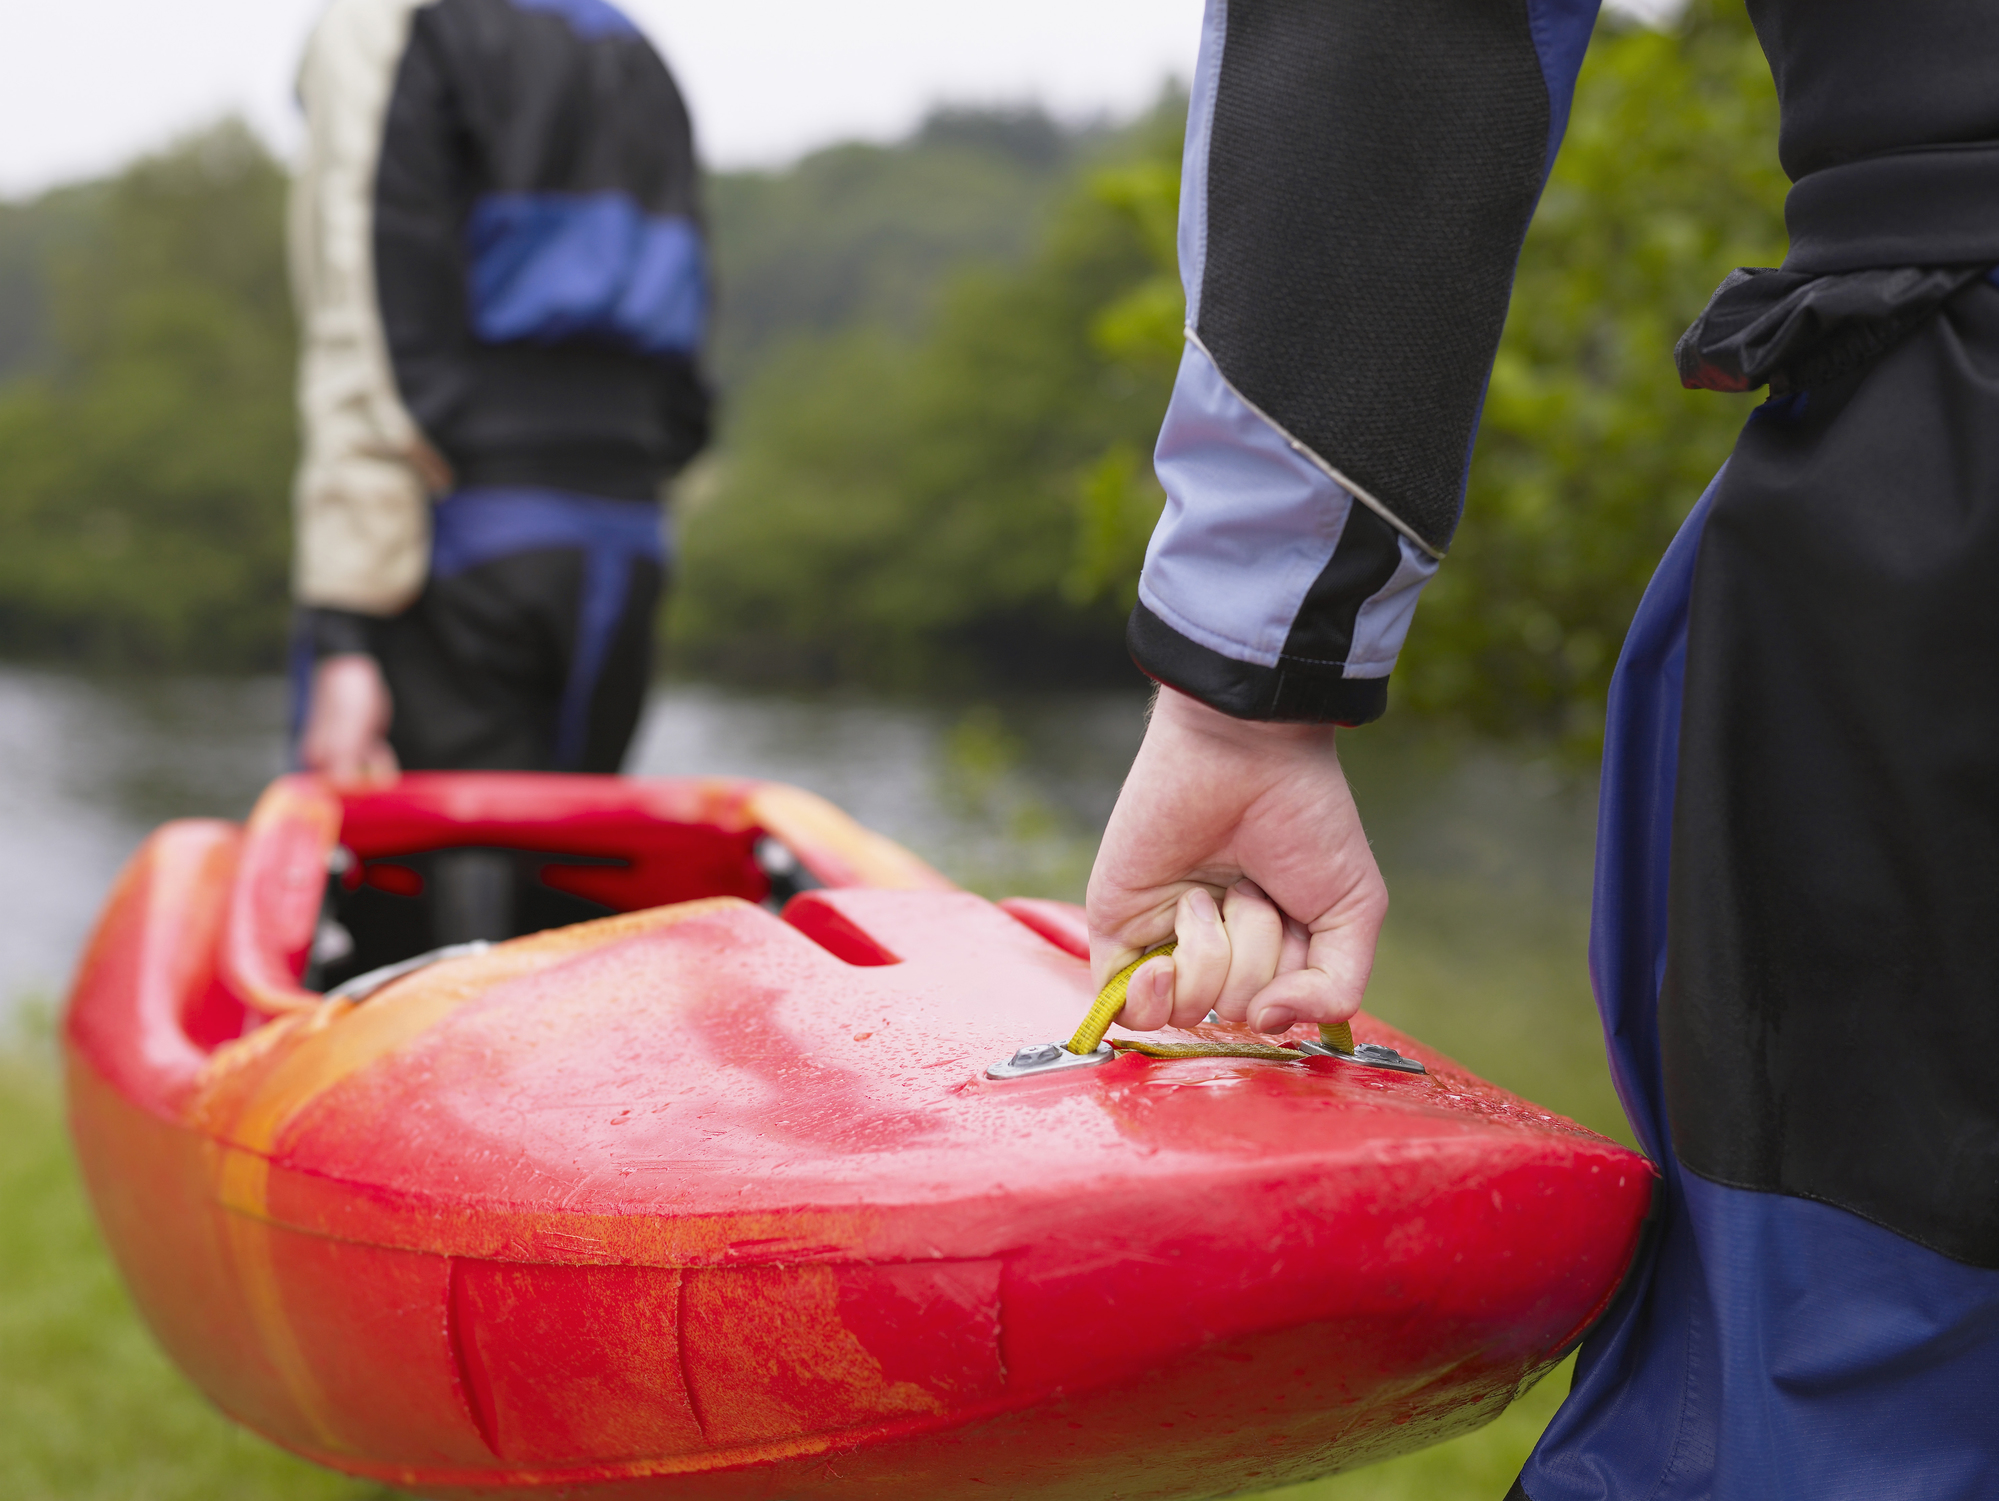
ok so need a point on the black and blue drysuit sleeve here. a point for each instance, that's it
(1357, 182)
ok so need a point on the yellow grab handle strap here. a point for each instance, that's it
(1110, 1001)
(1209, 1050)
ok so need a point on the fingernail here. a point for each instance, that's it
(1203, 905)
(1274, 1019)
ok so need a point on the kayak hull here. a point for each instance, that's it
(701, 1201)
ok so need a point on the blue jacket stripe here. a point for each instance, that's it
(551, 266)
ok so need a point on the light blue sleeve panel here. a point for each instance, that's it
(1232, 575)
(1382, 623)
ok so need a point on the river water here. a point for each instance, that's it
(1486, 849)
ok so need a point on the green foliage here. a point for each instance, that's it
(1140, 331)
(33, 236)
(1142, 327)
(1117, 503)
(143, 475)
(862, 234)
(890, 509)
(1590, 454)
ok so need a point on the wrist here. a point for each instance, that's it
(350, 695)
(348, 664)
(1186, 714)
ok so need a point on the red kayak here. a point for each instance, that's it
(690, 1197)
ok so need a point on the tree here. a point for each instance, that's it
(897, 510)
(860, 233)
(143, 478)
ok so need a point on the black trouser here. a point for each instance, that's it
(483, 674)
(480, 668)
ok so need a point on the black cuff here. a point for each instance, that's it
(336, 633)
(1295, 690)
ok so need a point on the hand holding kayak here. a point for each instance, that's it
(347, 723)
(1240, 841)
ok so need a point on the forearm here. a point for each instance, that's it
(348, 709)
(360, 533)
(348, 712)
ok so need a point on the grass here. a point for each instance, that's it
(1478, 1467)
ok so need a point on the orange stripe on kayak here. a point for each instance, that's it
(277, 897)
(398, 1222)
(241, 1180)
(838, 850)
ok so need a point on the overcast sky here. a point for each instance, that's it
(85, 84)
